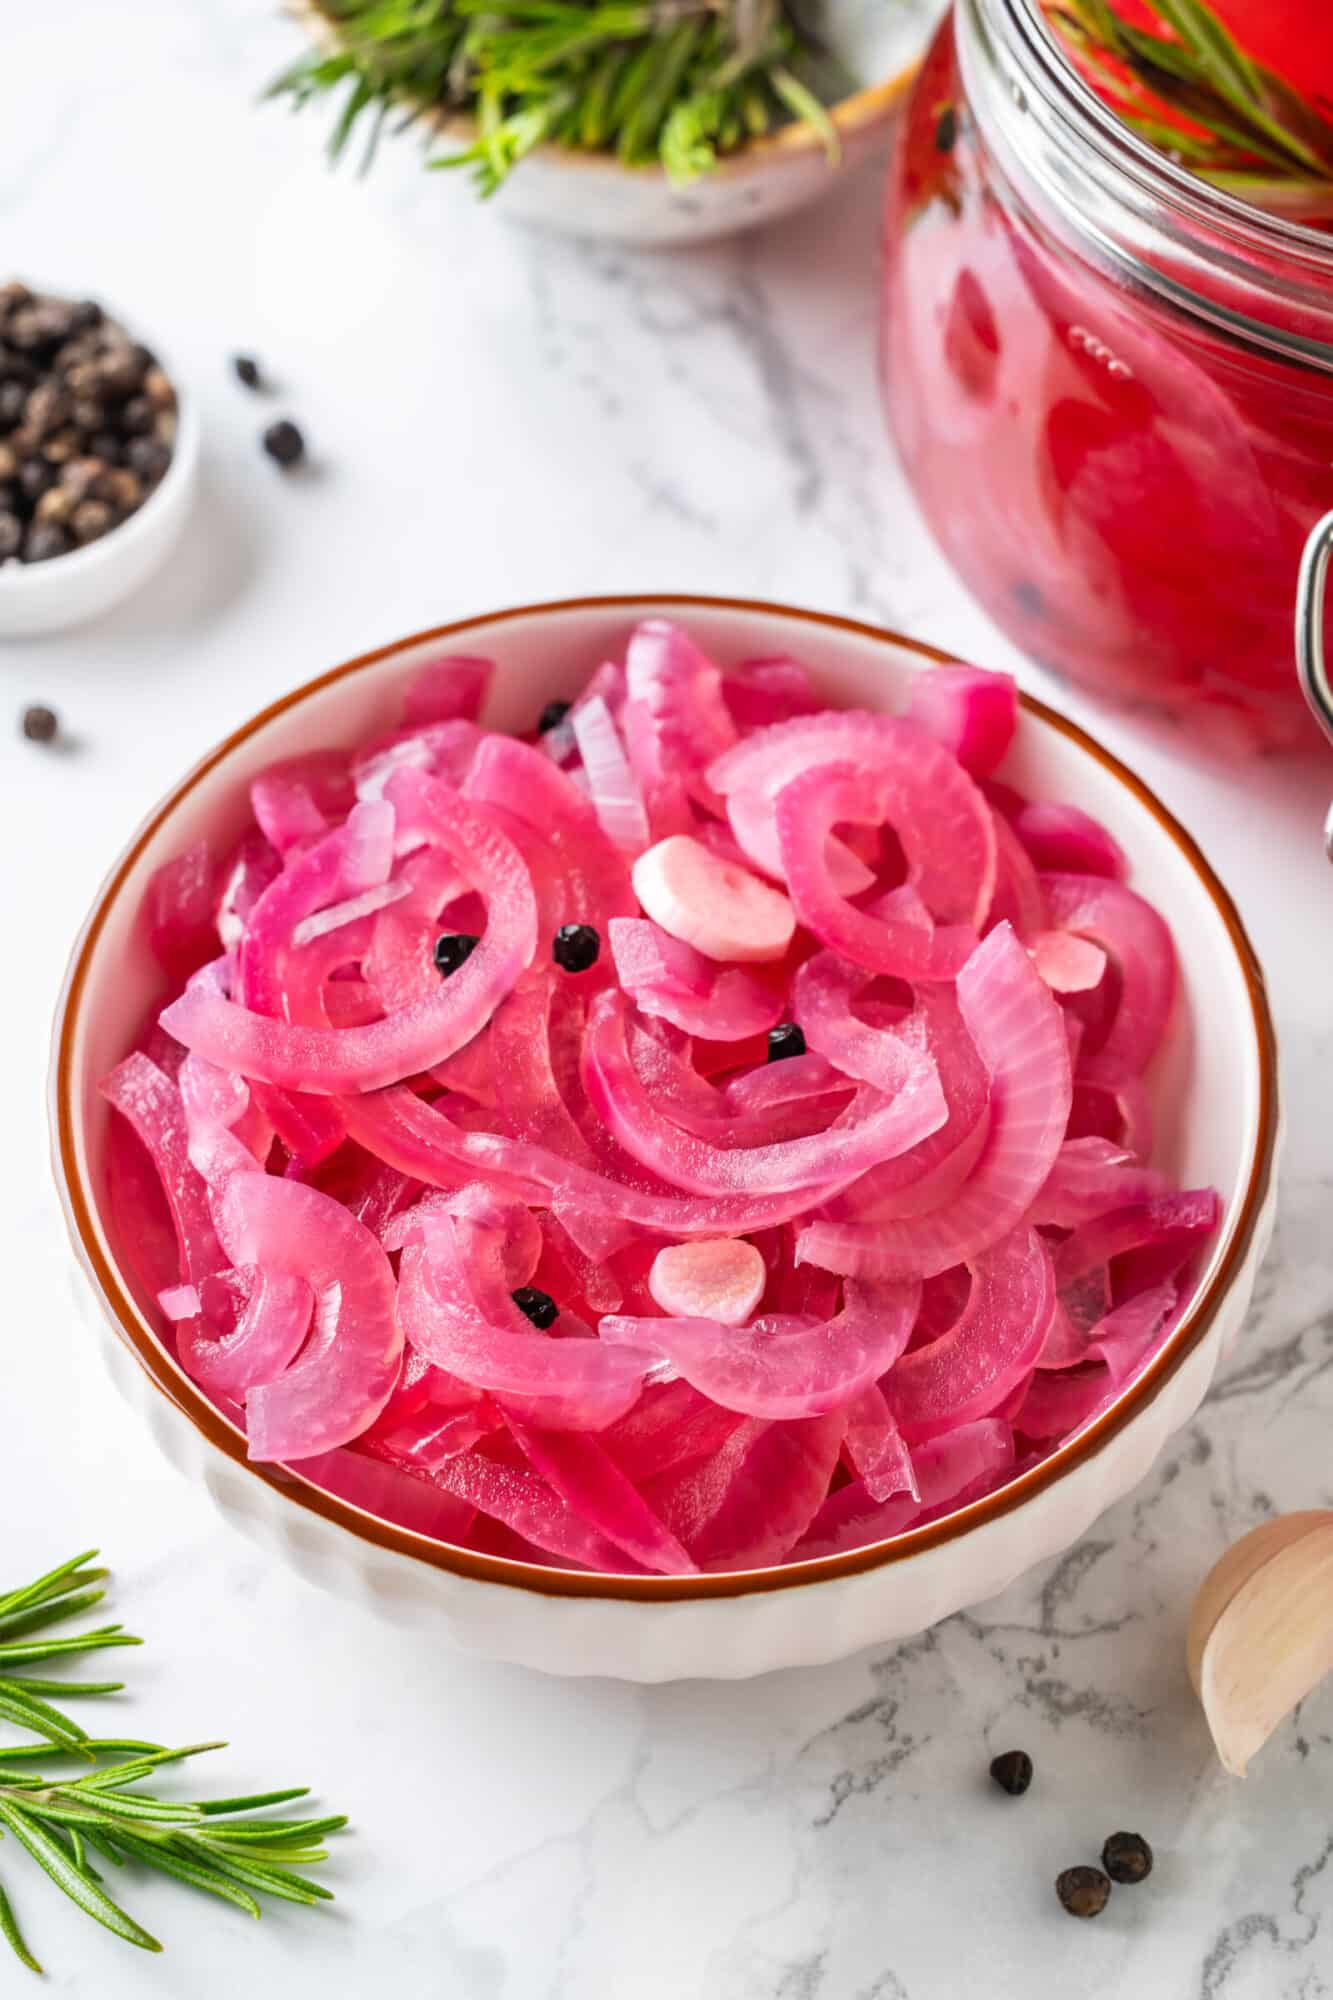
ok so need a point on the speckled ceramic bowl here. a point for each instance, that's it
(877, 42)
(1216, 1099)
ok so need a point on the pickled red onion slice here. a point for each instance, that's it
(454, 686)
(783, 1366)
(151, 1104)
(949, 1470)
(458, 1311)
(759, 692)
(1017, 1028)
(669, 978)
(971, 712)
(328, 1061)
(901, 936)
(1138, 943)
(966, 1372)
(611, 783)
(590, 1482)
(772, 1496)
(346, 1372)
(265, 1339)
(1064, 840)
(675, 721)
(933, 806)
(876, 1449)
(870, 1131)
(530, 1506)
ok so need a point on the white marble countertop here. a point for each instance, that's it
(499, 417)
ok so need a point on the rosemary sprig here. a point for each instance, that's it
(1247, 129)
(677, 81)
(232, 1848)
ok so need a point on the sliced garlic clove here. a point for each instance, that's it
(1234, 1569)
(1270, 1646)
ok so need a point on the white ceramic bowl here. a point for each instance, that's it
(1216, 1098)
(876, 42)
(68, 590)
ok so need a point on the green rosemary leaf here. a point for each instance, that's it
(51, 1649)
(195, 1873)
(28, 1711)
(94, 1902)
(212, 1807)
(277, 1882)
(13, 1936)
(802, 103)
(98, 1745)
(30, 1686)
(116, 1775)
(48, 1612)
(65, 1577)
(277, 1829)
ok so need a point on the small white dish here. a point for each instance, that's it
(878, 43)
(70, 589)
(1215, 1092)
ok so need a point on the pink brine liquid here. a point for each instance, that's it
(1126, 490)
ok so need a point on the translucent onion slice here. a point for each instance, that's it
(973, 713)
(938, 814)
(966, 1372)
(781, 1366)
(345, 1374)
(1064, 840)
(1138, 943)
(674, 721)
(612, 785)
(1018, 1031)
(456, 685)
(589, 1480)
(871, 1131)
(949, 1471)
(668, 978)
(333, 1061)
(457, 1310)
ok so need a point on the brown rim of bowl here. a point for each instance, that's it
(157, 1365)
(851, 116)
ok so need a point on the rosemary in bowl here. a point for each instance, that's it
(676, 83)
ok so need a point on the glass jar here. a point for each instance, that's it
(1111, 385)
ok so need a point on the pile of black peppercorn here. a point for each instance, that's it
(87, 424)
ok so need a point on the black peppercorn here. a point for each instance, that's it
(785, 1040)
(1127, 1857)
(1012, 1772)
(40, 724)
(946, 130)
(539, 1306)
(1083, 1891)
(247, 370)
(451, 949)
(148, 458)
(11, 536)
(552, 716)
(575, 947)
(45, 539)
(13, 397)
(137, 416)
(284, 443)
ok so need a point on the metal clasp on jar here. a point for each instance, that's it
(1311, 656)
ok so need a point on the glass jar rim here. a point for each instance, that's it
(1078, 118)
